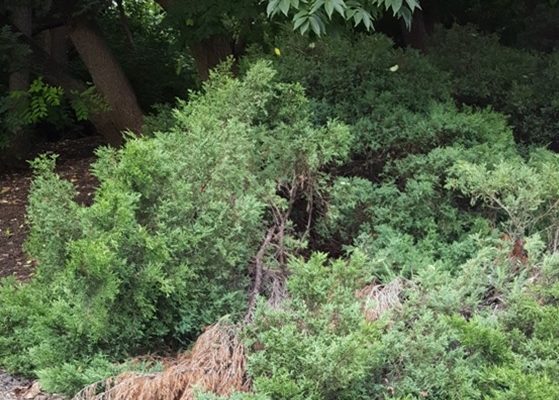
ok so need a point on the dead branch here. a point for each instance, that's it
(216, 364)
(259, 266)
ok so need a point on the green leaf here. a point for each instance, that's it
(406, 15)
(315, 24)
(340, 7)
(284, 6)
(358, 17)
(272, 7)
(396, 6)
(305, 27)
(299, 19)
(329, 7)
(316, 6)
(367, 21)
(413, 4)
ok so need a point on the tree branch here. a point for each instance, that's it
(44, 25)
(259, 264)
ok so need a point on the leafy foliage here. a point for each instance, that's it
(519, 83)
(438, 276)
(43, 102)
(165, 248)
(314, 15)
(318, 344)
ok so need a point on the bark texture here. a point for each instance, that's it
(416, 36)
(59, 44)
(21, 18)
(108, 77)
(209, 52)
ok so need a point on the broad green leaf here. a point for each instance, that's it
(406, 15)
(316, 6)
(272, 7)
(329, 7)
(315, 25)
(299, 19)
(284, 6)
(396, 6)
(305, 27)
(340, 6)
(413, 4)
(358, 17)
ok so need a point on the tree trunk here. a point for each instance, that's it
(20, 142)
(416, 36)
(56, 74)
(19, 76)
(59, 45)
(108, 77)
(209, 52)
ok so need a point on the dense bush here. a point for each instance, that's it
(414, 184)
(381, 92)
(521, 84)
(318, 344)
(165, 247)
(489, 333)
(351, 78)
(441, 206)
(441, 281)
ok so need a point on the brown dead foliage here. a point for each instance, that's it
(377, 299)
(216, 364)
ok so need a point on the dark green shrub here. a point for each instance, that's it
(382, 92)
(410, 219)
(521, 84)
(352, 78)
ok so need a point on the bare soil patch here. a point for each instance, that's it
(74, 161)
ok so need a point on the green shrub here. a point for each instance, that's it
(317, 345)
(165, 247)
(410, 219)
(381, 91)
(519, 83)
(526, 192)
(351, 78)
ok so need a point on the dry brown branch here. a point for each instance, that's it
(216, 364)
(377, 299)
(259, 266)
(275, 287)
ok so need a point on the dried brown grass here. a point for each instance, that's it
(216, 364)
(378, 299)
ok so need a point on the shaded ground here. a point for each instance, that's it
(10, 385)
(75, 157)
(16, 388)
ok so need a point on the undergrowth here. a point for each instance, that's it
(384, 237)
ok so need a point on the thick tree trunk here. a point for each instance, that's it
(416, 37)
(106, 123)
(21, 18)
(107, 75)
(59, 44)
(210, 52)
(22, 141)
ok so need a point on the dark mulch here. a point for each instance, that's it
(75, 158)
